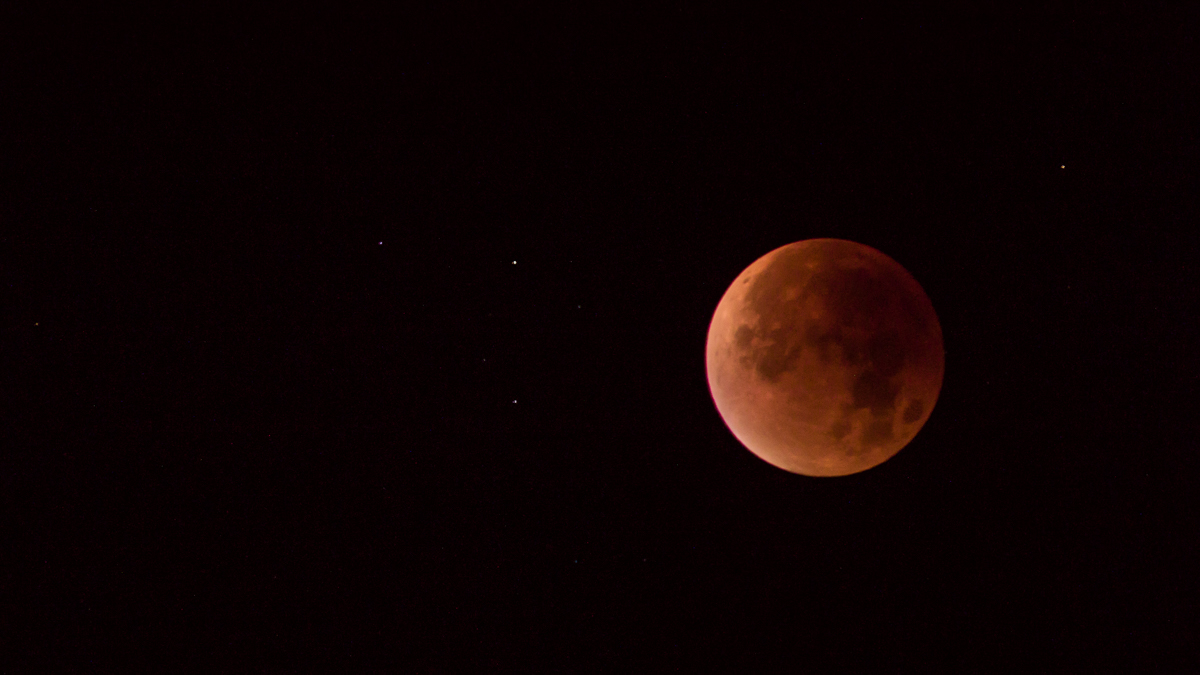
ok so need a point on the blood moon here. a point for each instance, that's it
(825, 357)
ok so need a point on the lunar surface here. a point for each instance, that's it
(825, 357)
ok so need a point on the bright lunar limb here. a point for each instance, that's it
(825, 357)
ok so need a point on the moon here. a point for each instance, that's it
(825, 357)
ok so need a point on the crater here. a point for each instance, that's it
(839, 429)
(743, 336)
(875, 391)
(773, 361)
(886, 353)
(878, 432)
(912, 413)
(773, 348)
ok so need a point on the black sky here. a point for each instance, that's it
(280, 400)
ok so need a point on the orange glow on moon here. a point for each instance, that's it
(825, 357)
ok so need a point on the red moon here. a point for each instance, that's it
(825, 357)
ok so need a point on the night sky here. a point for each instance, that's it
(374, 341)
